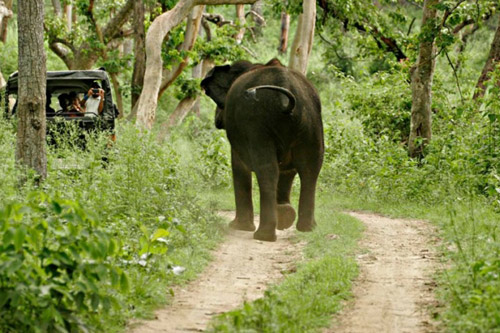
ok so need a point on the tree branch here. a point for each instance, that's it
(146, 109)
(61, 53)
(448, 12)
(64, 42)
(216, 19)
(455, 75)
(114, 26)
(192, 28)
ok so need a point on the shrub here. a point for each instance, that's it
(57, 270)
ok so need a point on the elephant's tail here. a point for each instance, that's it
(252, 92)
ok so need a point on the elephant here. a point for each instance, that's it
(272, 118)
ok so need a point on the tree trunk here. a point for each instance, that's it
(180, 112)
(127, 47)
(160, 27)
(285, 29)
(31, 150)
(3, 83)
(240, 18)
(192, 29)
(461, 48)
(197, 72)
(302, 43)
(257, 17)
(68, 15)
(118, 94)
(57, 7)
(187, 104)
(140, 56)
(421, 84)
(489, 66)
(5, 14)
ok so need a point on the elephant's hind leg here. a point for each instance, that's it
(267, 177)
(286, 213)
(308, 172)
(242, 179)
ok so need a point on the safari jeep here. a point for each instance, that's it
(75, 82)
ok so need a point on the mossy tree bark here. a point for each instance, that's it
(139, 54)
(421, 83)
(492, 61)
(31, 150)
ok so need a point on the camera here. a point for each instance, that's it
(95, 92)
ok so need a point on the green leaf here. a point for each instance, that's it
(160, 233)
(115, 278)
(94, 301)
(144, 231)
(8, 236)
(124, 283)
(56, 207)
(4, 297)
(19, 237)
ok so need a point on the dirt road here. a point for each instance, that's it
(391, 294)
(241, 270)
(394, 289)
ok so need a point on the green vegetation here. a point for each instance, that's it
(456, 186)
(94, 246)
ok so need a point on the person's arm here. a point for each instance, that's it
(101, 102)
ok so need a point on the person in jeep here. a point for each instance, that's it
(75, 109)
(94, 100)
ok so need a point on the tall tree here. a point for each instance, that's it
(146, 109)
(304, 35)
(57, 7)
(81, 48)
(139, 53)
(192, 28)
(285, 28)
(257, 17)
(3, 83)
(492, 61)
(31, 150)
(421, 82)
(5, 14)
(240, 19)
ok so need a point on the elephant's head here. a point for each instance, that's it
(217, 83)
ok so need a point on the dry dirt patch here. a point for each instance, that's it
(394, 289)
(241, 271)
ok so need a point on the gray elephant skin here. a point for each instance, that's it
(272, 117)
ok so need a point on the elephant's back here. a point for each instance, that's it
(263, 105)
(305, 94)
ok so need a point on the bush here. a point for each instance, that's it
(57, 267)
(383, 104)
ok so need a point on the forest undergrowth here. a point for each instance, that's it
(102, 242)
(143, 209)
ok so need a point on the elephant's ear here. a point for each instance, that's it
(212, 72)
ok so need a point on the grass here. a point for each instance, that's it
(468, 283)
(140, 191)
(305, 300)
